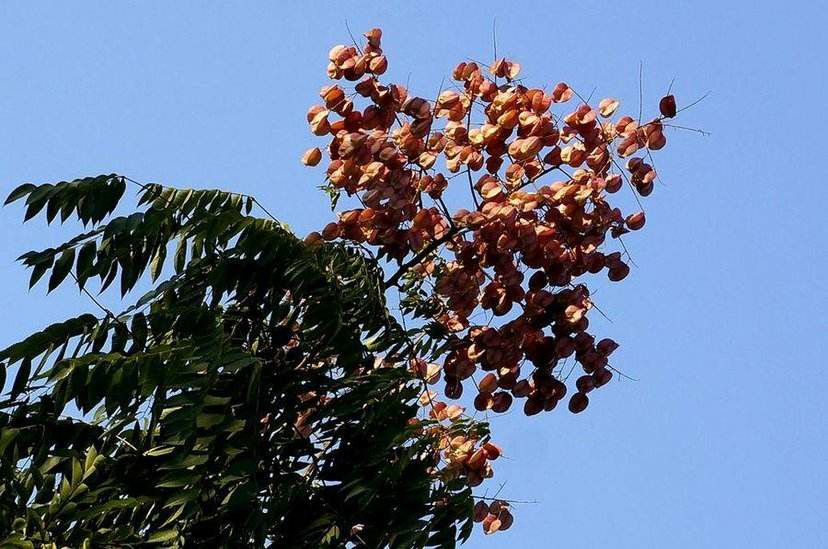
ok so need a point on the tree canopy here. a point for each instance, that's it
(248, 397)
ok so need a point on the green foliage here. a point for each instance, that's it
(237, 403)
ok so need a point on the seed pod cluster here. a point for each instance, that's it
(494, 516)
(541, 167)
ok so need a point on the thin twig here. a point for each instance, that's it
(685, 128)
(697, 101)
(507, 500)
(640, 91)
(348, 28)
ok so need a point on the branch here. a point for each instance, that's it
(425, 252)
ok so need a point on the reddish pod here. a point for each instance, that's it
(578, 403)
(667, 106)
(481, 510)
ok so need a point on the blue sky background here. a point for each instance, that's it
(722, 442)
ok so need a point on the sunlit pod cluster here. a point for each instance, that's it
(524, 242)
(539, 165)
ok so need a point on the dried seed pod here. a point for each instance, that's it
(606, 346)
(601, 377)
(454, 388)
(491, 524)
(549, 404)
(501, 402)
(667, 106)
(488, 383)
(585, 383)
(613, 183)
(562, 93)
(506, 520)
(481, 509)
(619, 272)
(635, 221)
(608, 106)
(532, 406)
(521, 389)
(493, 451)
(312, 157)
(483, 402)
(578, 403)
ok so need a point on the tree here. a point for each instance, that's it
(240, 401)
(263, 393)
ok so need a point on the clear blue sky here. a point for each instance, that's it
(722, 442)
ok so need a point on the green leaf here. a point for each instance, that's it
(62, 268)
(157, 263)
(91, 456)
(38, 271)
(180, 255)
(160, 451)
(6, 438)
(179, 479)
(19, 193)
(163, 535)
(139, 331)
(208, 421)
(86, 258)
(22, 378)
(331, 534)
(77, 472)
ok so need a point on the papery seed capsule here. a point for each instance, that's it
(608, 106)
(491, 524)
(507, 380)
(493, 451)
(332, 95)
(488, 383)
(645, 189)
(331, 231)
(483, 402)
(336, 51)
(606, 346)
(454, 389)
(636, 221)
(618, 272)
(501, 402)
(477, 459)
(602, 376)
(560, 389)
(578, 403)
(312, 157)
(378, 65)
(613, 183)
(374, 36)
(313, 111)
(521, 389)
(537, 281)
(313, 238)
(473, 478)
(506, 520)
(667, 106)
(532, 406)
(585, 383)
(481, 509)
(561, 93)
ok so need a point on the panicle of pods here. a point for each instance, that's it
(538, 220)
